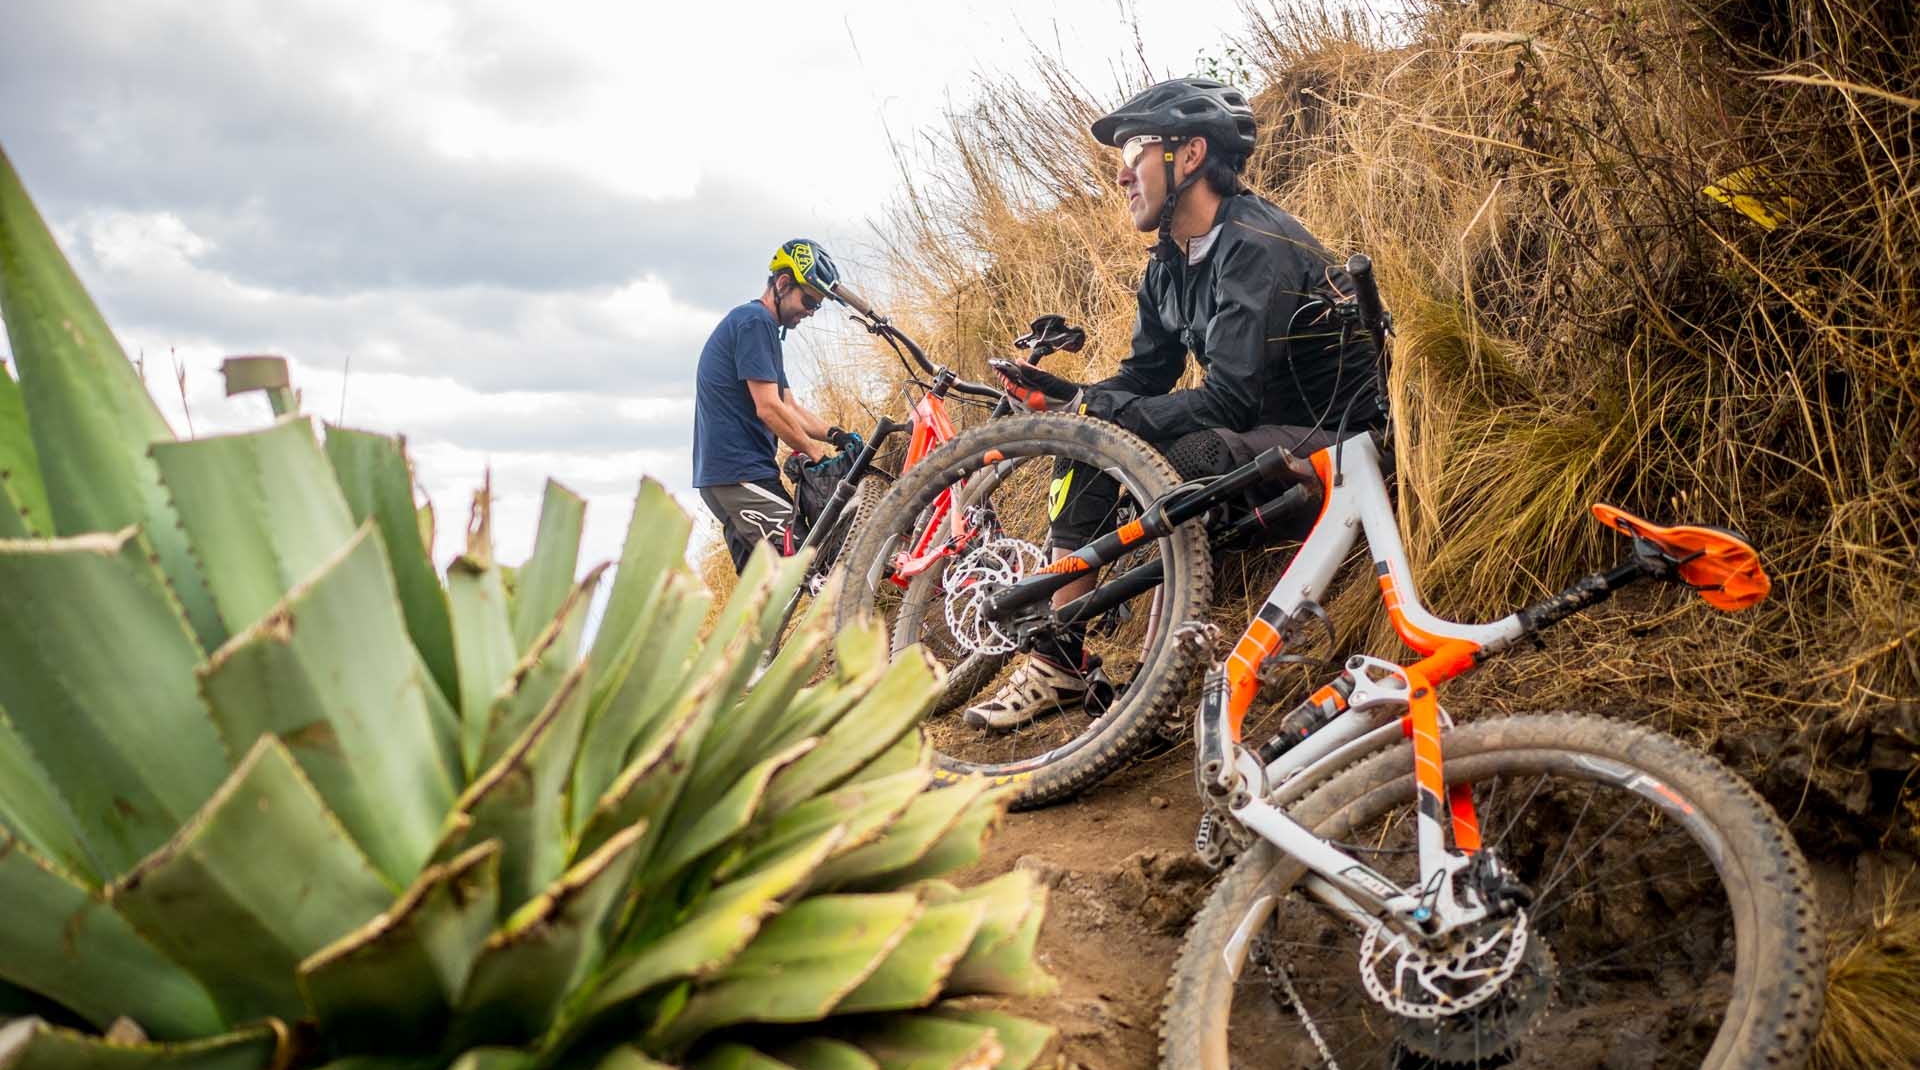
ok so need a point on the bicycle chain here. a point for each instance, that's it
(1278, 971)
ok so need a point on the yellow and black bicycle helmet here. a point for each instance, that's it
(808, 264)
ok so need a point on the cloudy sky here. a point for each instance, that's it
(503, 228)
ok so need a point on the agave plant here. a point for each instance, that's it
(275, 794)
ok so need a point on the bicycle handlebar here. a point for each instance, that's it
(1367, 292)
(852, 300)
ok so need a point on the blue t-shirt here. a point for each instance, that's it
(731, 444)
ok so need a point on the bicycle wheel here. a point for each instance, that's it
(1672, 924)
(1137, 642)
(858, 516)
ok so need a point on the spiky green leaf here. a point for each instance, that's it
(391, 984)
(375, 478)
(865, 809)
(926, 820)
(260, 879)
(96, 673)
(331, 673)
(34, 810)
(1025, 1041)
(262, 509)
(634, 710)
(23, 497)
(548, 575)
(538, 674)
(31, 1044)
(824, 1053)
(531, 964)
(91, 417)
(887, 711)
(656, 543)
(737, 1057)
(912, 976)
(61, 939)
(714, 934)
(803, 963)
(925, 1042)
(696, 829)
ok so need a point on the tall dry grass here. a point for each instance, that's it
(1578, 322)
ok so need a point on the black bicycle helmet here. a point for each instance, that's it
(1184, 107)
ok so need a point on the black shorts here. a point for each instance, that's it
(1086, 507)
(753, 513)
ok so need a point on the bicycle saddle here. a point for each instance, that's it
(1050, 334)
(1720, 564)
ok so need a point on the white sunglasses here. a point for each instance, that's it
(1135, 147)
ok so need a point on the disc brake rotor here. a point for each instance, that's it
(1413, 982)
(989, 568)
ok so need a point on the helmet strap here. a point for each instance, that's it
(1166, 250)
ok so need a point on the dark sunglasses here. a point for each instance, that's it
(809, 302)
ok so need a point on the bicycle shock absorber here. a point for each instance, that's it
(1309, 717)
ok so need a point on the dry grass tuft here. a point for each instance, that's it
(1873, 993)
(1579, 321)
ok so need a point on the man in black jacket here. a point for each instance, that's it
(1228, 274)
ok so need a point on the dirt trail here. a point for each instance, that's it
(1124, 883)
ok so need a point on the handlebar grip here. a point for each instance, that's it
(1367, 293)
(856, 302)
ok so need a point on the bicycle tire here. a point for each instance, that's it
(1777, 977)
(859, 515)
(1167, 665)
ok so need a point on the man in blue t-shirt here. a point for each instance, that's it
(742, 405)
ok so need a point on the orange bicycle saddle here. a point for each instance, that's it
(1720, 564)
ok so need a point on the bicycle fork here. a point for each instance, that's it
(1238, 788)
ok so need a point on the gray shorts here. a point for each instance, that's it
(753, 513)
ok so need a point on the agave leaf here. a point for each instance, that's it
(538, 675)
(91, 418)
(926, 820)
(331, 673)
(261, 878)
(911, 751)
(1000, 959)
(528, 968)
(482, 636)
(865, 809)
(630, 704)
(262, 509)
(548, 575)
(626, 1057)
(32, 808)
(824, 1053)
(656, 544)
(518, 799)
(697, 829)
(378, 484)
(913, 974)
(493, 1059)
(391, 984)
(96, 673)
(646, 789)
(737, 1057)
(803, 963)
(925, 1042)
(63, 941)
(31, 1044)
(885, 713)
(24, 512)
(1025, 1041)
(724, 756)
(965, 842)
(720, 926)
(737, 625)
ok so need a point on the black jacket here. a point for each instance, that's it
(1231, 311)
